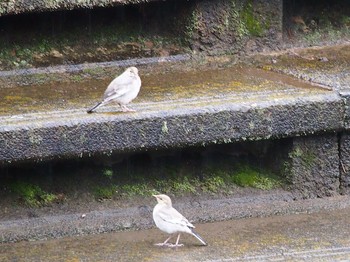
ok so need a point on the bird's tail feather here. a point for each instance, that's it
(93, 108)
(199, 238)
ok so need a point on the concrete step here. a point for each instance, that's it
(173, 109)
(307, 236)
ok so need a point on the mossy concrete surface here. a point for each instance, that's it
(312, 166)
(183, 108)
(134, 30)
(328, 66)
(235, 27)
(173, 110)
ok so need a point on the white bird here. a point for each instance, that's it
(170, 221)
(122, 90)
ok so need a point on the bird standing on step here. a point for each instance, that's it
(122, 90)
(170, 221)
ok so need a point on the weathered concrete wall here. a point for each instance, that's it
(227, 26)
(26, 6)
(312, 167)
(344, 169)
(345, 94)
(215, 27)
(344, 145)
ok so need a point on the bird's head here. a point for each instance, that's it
(163, 199)
(133, 70)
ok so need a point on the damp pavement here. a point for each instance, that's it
(322, 236)
(295, 93)
(173, 110)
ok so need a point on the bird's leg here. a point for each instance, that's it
(177, 242)
(126, 109)
(164, 243)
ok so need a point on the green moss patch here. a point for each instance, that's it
(249, 177)
(32, 195)
(116, 177)
(252, 23)
(104, 192)
(178, 181)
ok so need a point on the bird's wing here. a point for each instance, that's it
(118, 87)
(171, 215)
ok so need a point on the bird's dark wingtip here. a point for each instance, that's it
(199, 238)
(93, 108)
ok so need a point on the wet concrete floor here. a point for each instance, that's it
(301, 237)
(236, 84)
(324, 65)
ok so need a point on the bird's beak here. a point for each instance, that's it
(156, 196)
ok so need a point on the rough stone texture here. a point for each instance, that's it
(227, 26)
(344, 146)
(79, 133)
(313, 166)
(25, 6)
(344, 151)
(345, 94)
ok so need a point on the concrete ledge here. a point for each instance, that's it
(75, 133)
(26, 6)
